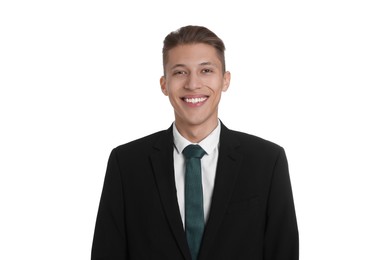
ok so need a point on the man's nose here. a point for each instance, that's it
(193, 82)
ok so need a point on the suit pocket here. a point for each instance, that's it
(245, 205)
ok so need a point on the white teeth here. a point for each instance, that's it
(195, 100)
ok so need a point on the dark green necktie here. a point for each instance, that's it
(194, 216)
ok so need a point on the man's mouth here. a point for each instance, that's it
(195, 100)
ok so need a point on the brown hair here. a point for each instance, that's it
(190, 35)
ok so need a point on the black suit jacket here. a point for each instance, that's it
(252, 212)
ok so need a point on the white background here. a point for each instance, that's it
(80, 77)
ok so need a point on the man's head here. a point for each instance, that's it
(194, 77)
(190, 35)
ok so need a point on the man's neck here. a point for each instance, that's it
(196, 133)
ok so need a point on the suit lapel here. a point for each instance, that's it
(228, 166)
(162, 162)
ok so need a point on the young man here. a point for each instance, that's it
(196, 190)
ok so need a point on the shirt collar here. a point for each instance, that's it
(208, 144)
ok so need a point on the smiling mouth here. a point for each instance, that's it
(195, 100)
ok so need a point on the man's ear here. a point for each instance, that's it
(163, 84)
(226, 81)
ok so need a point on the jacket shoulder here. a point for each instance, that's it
(140, 145)
(255, 143)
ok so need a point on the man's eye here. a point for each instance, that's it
(207, 70)
(179, 73)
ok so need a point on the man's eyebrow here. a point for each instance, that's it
(207, 63)
(177, 66)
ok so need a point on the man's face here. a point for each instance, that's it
(194, 81)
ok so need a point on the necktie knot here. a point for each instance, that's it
(193, 151)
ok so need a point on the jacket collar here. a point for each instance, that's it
(229, 163)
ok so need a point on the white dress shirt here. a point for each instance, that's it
(208, 163)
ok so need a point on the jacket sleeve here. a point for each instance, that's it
(281, 235)
(109, 242)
